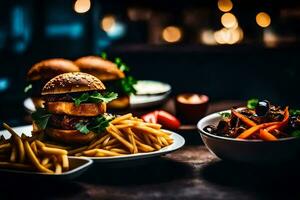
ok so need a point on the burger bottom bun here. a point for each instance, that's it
(121, 102)
(70, 136)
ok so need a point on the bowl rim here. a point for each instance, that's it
(217, 115)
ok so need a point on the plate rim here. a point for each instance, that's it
(70, 172)
(163, 151)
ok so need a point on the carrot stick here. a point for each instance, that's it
(245, 119)
(282, 123)
(265, 135)
(247, 133)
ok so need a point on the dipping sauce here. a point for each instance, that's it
(191, 107)
(192, 99)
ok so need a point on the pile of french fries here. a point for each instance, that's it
(24, 153)
(126, 135)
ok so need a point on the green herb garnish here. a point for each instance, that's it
(82, 127)
(127, 83)
(296, 133)
(252, 103)
(27, 88)
(97, 125)
(95, 97)
(294, 112)
(41, 117)
(121, 65)
(104, 55)
(225, 114)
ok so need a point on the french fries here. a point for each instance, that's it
(32, 155)
(53, 151)
(126, 135)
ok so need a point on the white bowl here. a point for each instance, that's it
(248, 151)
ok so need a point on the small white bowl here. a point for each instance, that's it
(248, 151)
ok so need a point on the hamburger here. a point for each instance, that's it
(112, 75)
(41, 72)
(75, 108)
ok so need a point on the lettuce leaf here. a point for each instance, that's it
(41, 117)
(95, 97)
(97, 125)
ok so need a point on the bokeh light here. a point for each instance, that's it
(82, 6)
(225, 5)
(117, 31)
(108, 22)
(263, 19)
(4, 83)
(207, 37)
(172, 34)
(270, 38)
(229, 36)
(228, 20)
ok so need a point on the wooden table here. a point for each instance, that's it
(190, 173)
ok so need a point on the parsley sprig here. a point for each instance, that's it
(225, 115)
(252, 103)
(118, 61)
(121, 65)
(126, 85)
(97, 125)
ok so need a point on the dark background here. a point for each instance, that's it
(256, 66)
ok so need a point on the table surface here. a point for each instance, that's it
(189, 173)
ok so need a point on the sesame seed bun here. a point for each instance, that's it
(47, 69)
(103, 69)
(72, 82)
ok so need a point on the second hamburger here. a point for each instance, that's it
(112, 75)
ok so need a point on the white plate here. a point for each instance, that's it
(149, 87)
(19, 130)
(178, 143)
(149, 93)
(144, 101)
(78, 165)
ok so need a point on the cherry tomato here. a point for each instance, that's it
(167, 120)
(150, 117)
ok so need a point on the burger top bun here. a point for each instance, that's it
(50, 68)
(103, 69)
(72, 82)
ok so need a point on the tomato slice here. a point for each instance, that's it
(167, 120)
(150, 117)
